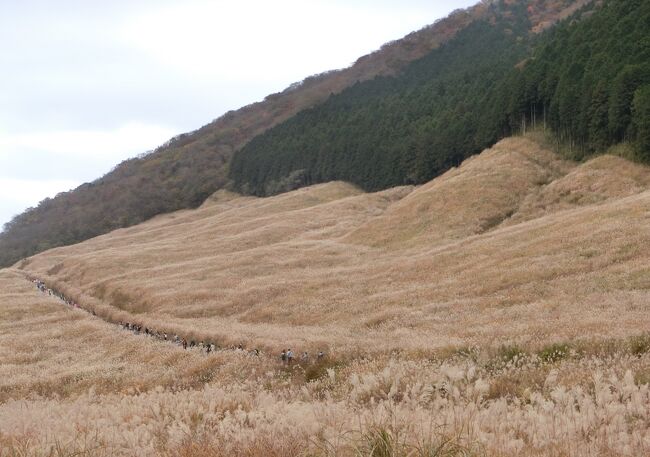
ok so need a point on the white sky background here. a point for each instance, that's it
(87, 84)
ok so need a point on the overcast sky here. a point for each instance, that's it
(86, 84)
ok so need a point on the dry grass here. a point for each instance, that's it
(322, 267)
(384, 407)
(48, 349)
(501, 309)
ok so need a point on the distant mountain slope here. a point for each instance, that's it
(190, 167)
(186, 170)
(587, 79)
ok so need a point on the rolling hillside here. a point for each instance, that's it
(498, 310)
(515, 231)
(447, 289)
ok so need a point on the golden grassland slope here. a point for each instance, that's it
(49, 349)
(500, 310)
(405, 269)
(602, 178)
(73, 385)
(483, 192)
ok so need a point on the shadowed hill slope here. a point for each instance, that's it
(602, 178)
(476, 197)
(407, 268)
(189, 168)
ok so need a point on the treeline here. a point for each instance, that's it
(589, 80)
(585, 79)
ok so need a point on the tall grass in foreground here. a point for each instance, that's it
(581, 407)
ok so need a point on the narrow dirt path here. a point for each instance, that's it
(187, 343)
(138, 329)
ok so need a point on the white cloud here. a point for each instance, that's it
(254, 40)
(30, 192)
(18, 194)
(125, 141)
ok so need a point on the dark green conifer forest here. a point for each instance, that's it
(586, 80)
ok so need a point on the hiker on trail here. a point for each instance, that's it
(184, 343)
(209, 348)
(321, 354)
(289, 356)
(283, 356)
(304, 357)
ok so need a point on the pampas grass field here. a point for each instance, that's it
(501, 309)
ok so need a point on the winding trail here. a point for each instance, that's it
(138, 329)
(178, 340)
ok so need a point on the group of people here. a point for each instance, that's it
(203, 346)
(287, 356)
(53, 293)
(208, 347)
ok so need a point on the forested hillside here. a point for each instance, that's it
(395, 130)
(586, 79)
(590, 80)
